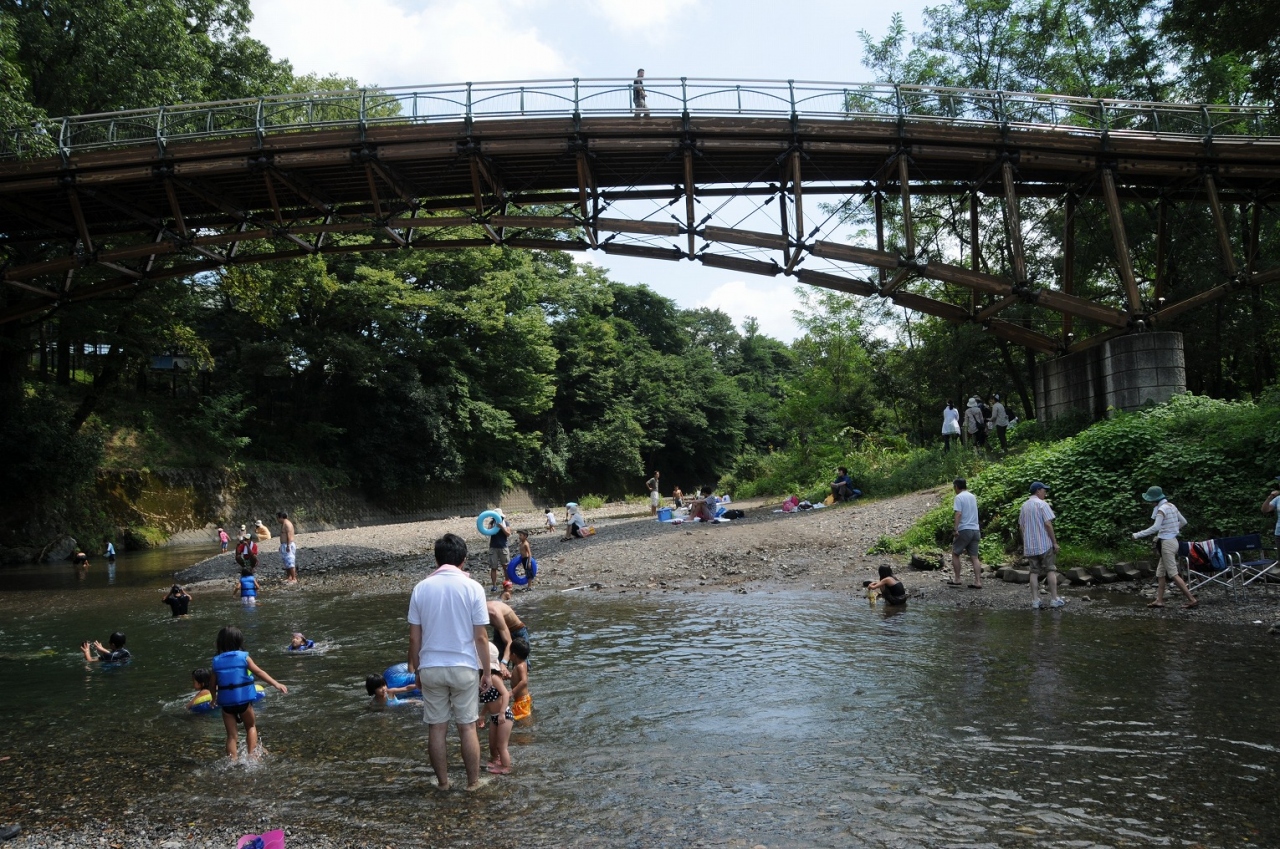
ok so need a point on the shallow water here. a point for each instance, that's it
(788, 719)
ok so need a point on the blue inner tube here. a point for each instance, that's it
(480, 526)
(398, 675)
(515, 567)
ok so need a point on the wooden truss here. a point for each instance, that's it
(96, 224)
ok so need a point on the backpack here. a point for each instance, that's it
(1203, 556)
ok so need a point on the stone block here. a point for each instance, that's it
(1103, 575)
(1017, 576)
(1127, 571)
(1145, 568)
(1078, 575)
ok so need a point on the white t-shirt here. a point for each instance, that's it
(966, 504)
(951, 421)
(1275, 505)
(448, 605)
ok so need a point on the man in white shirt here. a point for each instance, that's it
(1000, 421)
(1271, 504)
(967, 535)
(1166, 522)
(448, 636)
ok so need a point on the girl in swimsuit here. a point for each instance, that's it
(496, 701)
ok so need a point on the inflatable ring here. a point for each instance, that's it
(489, 514)
(202, 703)
(513, 570)
(398, 675)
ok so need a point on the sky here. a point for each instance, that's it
(412, 42)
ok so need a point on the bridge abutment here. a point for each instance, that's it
(1122, 373)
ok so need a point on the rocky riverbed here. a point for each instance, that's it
(823, 549)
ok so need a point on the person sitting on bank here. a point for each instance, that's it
(704, 507)
(842, 487)
(575, 522)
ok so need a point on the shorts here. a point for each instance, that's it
(1042, 564)
(1168, 567)
(450, 691)
(249, 600)
(522, 708)
(499, 558)
(654, 498)
(289, 555)
(966, 542)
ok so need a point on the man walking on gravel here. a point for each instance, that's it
(654, 495)
(967, 535)
(1040, 545)
(449, 649)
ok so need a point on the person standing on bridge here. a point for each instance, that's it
(639, 107)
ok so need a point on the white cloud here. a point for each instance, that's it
(640, 16)
(770, 303)
(392, 42)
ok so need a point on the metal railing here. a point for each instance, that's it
(575, 99)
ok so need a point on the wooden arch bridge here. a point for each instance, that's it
(95, 205)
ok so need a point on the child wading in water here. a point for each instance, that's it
(247, 589)
(496, 701)
(521, 700)
(234, 690)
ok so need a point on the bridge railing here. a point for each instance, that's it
(574, 99)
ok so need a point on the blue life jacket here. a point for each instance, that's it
(248, 586)
(235, 681)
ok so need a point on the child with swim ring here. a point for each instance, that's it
(300, 643)
(201, 681)
(521, 700)
(234, 673)
(496, 701)
(383, 696)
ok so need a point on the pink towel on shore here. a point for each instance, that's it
(270, 840)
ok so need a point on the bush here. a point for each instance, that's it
(1213, 457)
(591, 501)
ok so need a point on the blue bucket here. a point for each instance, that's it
(664, 514)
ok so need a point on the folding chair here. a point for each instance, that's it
(1250, 561)
(1219, 570)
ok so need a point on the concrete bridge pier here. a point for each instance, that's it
(1124, 373)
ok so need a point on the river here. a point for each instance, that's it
(775, 718)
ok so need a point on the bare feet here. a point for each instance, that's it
(499, 769)
(1191, 604)
(1156, 604)
(480, 783)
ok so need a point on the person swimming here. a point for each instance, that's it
(300, 643)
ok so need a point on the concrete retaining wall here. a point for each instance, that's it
(1124, 373)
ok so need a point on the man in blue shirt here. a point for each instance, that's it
(842, 487)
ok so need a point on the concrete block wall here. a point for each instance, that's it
(1124, 373)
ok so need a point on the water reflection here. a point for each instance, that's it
(784, 719)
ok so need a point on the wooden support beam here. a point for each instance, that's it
(975, 243)
(27, 287)
(303, 189)
(175, 209)
(587, 190)
(1069, 264)
(36, 217)
(750, 238)
(1095, 340)
(1013, 223)
(990, 311)
(643, 251)
(1162, 250)
(851, 253)
(688, 197)
(1124, 260)
(899, 277)
(735, 263)
(396, 181)
(797, 192)
(373, 191)
(1220, 225)
(233, 209)
(1080, 308)
(879, 202)
(931, 306)
(1022, 336)
(835, 282)
(1205, 297)
(77, 214)
(904, 185)
(271, 197)
(644, 228)
(784, 217)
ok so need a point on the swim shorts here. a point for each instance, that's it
(966, 542)
(522, 708)
(289, 554)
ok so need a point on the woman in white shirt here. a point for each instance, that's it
(950, 425)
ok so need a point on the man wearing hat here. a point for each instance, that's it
(1166, 522)
(1271, 504)
(1039, 545)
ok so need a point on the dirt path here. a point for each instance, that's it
(814, 550)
